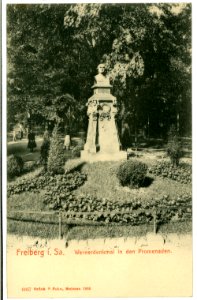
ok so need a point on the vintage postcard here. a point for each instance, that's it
(97, 119)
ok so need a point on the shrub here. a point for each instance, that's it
(174, 148)
(44, 152)
(56, 157)
(132, 173)
(14, 166)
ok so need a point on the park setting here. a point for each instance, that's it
(99, 120)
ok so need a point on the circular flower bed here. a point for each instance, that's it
(58, 195)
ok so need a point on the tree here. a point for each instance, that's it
(39, 82)
(147, 51)
(53, 52)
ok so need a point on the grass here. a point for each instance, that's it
(26, 201)
(50, 230)
(74, 164)
(176, 227)
(90, 232)
(103, 183)
(40, 230)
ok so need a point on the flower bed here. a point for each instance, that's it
(58, 195)
(182, 173)
(52, 184)
(132, 212)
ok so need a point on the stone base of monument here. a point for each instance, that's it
(101, 156)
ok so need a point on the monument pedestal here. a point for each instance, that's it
(103, 141)
(101, 156)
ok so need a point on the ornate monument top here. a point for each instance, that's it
(102, 86)
(101, 79)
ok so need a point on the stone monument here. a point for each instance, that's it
(102, 141)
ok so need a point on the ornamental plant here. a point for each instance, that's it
(56, 159)
(132, 173)
(54, 185)
(14, 166)
(174, 148)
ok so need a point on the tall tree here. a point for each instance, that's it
(39, 77)
(53, 52)
(147, 53)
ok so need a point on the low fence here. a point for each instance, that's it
(74, 218)
(63, 219)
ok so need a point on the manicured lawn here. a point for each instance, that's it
(26, 201)
(102, 183)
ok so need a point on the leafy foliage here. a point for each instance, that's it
(182, 173)
(14, 166)
(86, 208)
(56, 158)
(54, 185)
(174, 148)
(39, 81)
(132, 173)
(58, 194)
(145, 52)
(53, 52)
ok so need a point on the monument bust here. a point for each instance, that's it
(101, 78)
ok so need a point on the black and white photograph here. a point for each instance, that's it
(99, 149)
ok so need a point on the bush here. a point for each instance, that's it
(174, 148)
(14, 166)
(56, 157)
(132, 173)
(44, 152)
